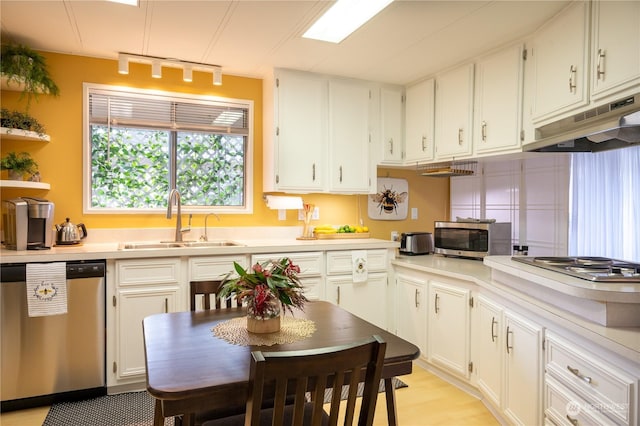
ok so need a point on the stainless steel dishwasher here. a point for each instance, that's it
(58, 357)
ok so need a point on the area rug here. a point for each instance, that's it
(129, 409)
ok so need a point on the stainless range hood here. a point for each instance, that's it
(609, 126)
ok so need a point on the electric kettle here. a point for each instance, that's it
(68, 233)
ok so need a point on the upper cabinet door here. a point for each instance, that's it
(616, 47)
(454, 113)
(561, 63)
(349, 137)
(419, 119)
(302, 132)
(498, 100)
(391, 124)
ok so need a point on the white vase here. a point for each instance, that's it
(15, 175)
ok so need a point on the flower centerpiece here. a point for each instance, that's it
(264, 289)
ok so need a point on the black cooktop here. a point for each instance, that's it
(598, 269)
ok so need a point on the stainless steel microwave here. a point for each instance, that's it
(472, 239)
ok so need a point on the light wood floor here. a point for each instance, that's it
(427, 401)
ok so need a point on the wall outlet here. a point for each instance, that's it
(414, 213)
(395, 236)
(282, 214)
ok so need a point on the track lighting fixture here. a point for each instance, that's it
(157, 63)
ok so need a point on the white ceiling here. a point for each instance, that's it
(404, 43)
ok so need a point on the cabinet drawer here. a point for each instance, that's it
(601, 383)
(564, 407)
(147, 271)
(213, 267)
(341, 262)
(310, 263)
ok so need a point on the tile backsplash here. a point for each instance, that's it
(531, 193)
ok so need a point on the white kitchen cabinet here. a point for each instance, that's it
(391, 107)
(348, 137)
(411, 310)
(523, 369)
(311, 270)
(454, 113)
(363, 299)
(487, 329)
(368, 299)
(448, 327)
(561, 63)
(301, 133)
(563, 407)
(615, 64)
(143, 287)
(498, 102)
(602, 387)
(419, 122)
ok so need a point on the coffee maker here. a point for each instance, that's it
(27, 223)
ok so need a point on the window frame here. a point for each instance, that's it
(247, 208)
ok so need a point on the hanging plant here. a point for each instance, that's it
(26, 68)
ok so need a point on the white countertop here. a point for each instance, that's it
(248, 246)
(622, 340)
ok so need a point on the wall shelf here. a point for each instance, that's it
(25, 184)
(25, 135)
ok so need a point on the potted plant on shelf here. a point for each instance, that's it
(18, 165)
(20, 121)
(264, 290)
(27, 69)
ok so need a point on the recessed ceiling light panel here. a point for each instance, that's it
(343, 18)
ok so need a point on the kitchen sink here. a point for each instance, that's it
(172, 244)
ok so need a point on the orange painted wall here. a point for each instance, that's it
(60, 161)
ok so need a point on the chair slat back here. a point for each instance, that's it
(207, 289)
(296, 372)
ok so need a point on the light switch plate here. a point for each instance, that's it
(282, 214)
(414, 213)
(314, 216)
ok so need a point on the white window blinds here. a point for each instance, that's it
(121, 109)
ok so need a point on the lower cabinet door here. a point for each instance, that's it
(488, 334)
(448, 325)
(132, 306)
(364, 299)
(523, 369)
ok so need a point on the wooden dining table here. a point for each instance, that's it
(190, 370)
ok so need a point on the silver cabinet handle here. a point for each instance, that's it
(313, 172)
(166, 305)
(572, 420)
(493, 332)
(509, 347)
(460, 136)
(484, 131)
(338, 295)
(424, 143)
(436, 304)
(572, 74)
(600, 67)
(340, 174)
(577, 373)
(391, 146)
(417, 300)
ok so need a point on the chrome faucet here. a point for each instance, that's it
(204, 237)
(174, 194)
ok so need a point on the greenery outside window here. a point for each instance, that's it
(140, 144)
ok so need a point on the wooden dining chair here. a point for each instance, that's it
(297, 372)
(207, 289)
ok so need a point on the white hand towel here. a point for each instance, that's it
(359, 262)
(46, 289)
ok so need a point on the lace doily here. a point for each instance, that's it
(292, 330)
